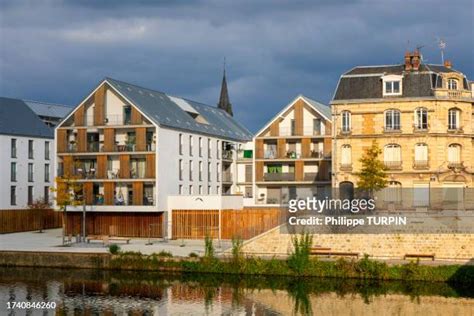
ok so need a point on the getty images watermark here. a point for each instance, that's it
(350, 207)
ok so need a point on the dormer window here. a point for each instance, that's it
(452, 84)
(392, 85)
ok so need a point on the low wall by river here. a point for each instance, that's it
(55, 259)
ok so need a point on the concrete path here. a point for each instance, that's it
(51, 240)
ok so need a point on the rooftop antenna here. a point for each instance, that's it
(442, 46)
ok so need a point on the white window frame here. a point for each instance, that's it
(391, 79)
(453, 84)
(454, 152)
(393, 114)
(419, 114)
(454, 118)
(346, 121)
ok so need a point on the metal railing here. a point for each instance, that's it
(393, 165)
(111, 120)
(227, 154)
(455, 164)
(307, 131)
(345, 166)
(226, 177)
(282, 176)
(420, 164)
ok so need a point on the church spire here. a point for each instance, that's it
(224, 102)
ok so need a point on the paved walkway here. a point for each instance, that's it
(51, 240)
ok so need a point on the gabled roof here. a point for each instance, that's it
(48, 109)
(322, 109)
(364, 82)
(16, 118)
(170, 111)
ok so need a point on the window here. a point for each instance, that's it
(346, 121)
(218, 190)
(200, 146)
(190, 170)
(46, 172)
(46, 194)
(392, 156)
(180, 189)
(209, 148)
(454, 154)
(421, 119)
(200, 190)
(392, 120)
(30, 172)
(316, 126)
(209, 190)
(218, 150)
(30, 149)
(13, 172)
(30, 195)
(180, 144)
(453, 119)
(46, 150)
(13, 195)
(13, 148)
(392, 87)
(346, 156)
(209, 171)
(190, 145)
(293, 127)
(190, 189)
(452, 84)
(200, 171)
(180, 169)
(127, 115)
(218, 174)
(421, 155)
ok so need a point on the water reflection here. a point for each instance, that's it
(90, 292)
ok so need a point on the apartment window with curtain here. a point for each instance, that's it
(30, 195)
(13, 148)
(421, 155)
(190, 170)
(30, 149)
(346, 156)
(46, 172)
(200, 171)
(421, 119)
(346, 121)
(190, 145)
(317, 126)
(138, 168)
(392, 120)
(46, 150)
(180, 144)
(30, 172)
(453, 119)
(13, 172)
(13, 195)
(392, 156)
(180, 169)
(200, 146)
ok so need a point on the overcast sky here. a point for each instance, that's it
(57, 51)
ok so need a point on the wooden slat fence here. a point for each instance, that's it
(22, 220)
(244, 224)
(142, 225)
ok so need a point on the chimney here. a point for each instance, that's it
(448, 64)
(415, 61)
(407, 60)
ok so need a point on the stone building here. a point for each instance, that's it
(420, 114)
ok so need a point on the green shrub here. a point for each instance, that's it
(114, 249)
(209, 252)
(193, 255)
(299, 259)
(237, 254)
(367, 268)
(164, 253)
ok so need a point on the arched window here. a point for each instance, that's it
(452, 84)
(454, 116)
(346, 156)
(421, 155)
(346, 121)
(421, 118)
(392, 120)
(392, 156)
(454, 154)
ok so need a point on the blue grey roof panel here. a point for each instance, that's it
(324, 109)
(16, 118)
(48, 109)
(161, 108)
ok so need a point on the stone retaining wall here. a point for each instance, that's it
(55, 259)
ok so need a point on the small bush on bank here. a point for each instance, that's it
(114, 249)
(299, 258)
(193, 255)
(237, 254)
(164, 253)
(209, 252)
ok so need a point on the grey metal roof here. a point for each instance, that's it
(364, 82)
(48, 109)
(160, 107)
(324, 109)
(16, 118)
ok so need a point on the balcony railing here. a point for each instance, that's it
(345, 166)
(226, 177)
(421, 164)
(393, 165)
(421, 127)
(111, 120)
(284, 176)
(227, 155)
(270, 154)
(99, 147)
(100, 201)
(310, 176)
(394, 129)
(455, 165)
(455, 130)
(307, 131)
(83, 174)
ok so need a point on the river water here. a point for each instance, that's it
(89, 292)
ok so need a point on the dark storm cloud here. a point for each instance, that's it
(58, 50)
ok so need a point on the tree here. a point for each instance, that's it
(372, 176)
(68, 192)
(40, 205)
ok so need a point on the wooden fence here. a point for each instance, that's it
(22, 220)
(245, 224)
(128, 224)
